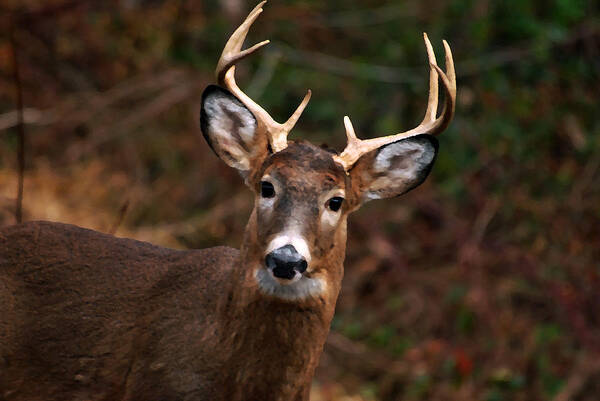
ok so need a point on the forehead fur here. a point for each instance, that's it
(304, 158)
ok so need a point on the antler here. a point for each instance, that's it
(430, 124)
(225, 72)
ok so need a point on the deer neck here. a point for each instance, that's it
(276, 343)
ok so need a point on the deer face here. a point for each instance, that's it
(300, 210)
(296, 237)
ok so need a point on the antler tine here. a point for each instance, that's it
(432, 101)
(225, 73)
(449, 81)
(232, 52)
(430, 124)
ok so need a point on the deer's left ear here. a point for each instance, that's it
(394, 169)
(231, 129)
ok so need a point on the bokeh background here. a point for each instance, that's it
(482, 284)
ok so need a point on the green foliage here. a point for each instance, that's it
(419, 387)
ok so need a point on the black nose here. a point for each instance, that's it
(285, 262)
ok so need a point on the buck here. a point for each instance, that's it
(87, 316)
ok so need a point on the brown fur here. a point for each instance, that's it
(84, 315)
(87, 316)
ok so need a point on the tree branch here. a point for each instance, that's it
(20, 122)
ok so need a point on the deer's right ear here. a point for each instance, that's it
(230, 129)
(395, 168)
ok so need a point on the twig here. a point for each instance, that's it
(120, 217)
(358, 358)
(20, 124)
(586, 367)
(373, 16)
(346, 68)
(167, 99)
(584, 182)
(32, 16)
(263, 74)
(483, 219)
(29, 116)
(380, 73)
(84, 106)
(201, 222)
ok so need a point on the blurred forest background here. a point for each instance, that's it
(482, 284)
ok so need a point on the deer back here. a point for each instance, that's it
(86, 313)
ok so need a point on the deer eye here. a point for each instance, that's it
(266, 189)
(335, 203)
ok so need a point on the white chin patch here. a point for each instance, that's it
(298, 288)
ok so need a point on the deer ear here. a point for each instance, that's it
(394, 169)
(230, 129)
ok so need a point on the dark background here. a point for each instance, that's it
(482, 284)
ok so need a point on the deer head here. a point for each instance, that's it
(295, 240)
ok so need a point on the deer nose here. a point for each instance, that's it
(284, 262)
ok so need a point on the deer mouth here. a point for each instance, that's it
(283, 273)
(284, 277)
(299, 287)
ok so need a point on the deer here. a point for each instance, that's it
(89, 316)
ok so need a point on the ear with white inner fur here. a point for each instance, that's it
(230, 129)
(394, 169)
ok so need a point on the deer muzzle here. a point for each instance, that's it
(285, 262)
